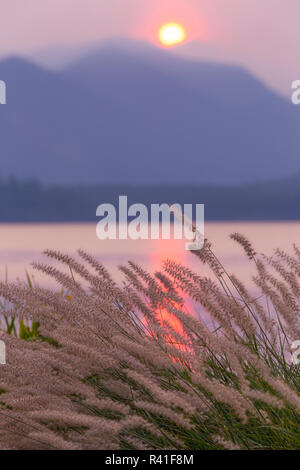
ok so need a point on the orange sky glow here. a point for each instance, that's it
(195, 25)
(260, 35)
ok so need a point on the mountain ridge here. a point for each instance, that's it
(137, 114)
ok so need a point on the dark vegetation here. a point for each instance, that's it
(30, 201)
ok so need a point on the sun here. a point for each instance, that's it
(171, 34)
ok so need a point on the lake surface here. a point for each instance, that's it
(21, 244)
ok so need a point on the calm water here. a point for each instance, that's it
(22, 244)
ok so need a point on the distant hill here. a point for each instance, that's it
(133, 114)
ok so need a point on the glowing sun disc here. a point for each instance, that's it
(171, 33)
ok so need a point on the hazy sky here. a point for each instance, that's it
(263, 35)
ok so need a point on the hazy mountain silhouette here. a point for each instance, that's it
(132, 113)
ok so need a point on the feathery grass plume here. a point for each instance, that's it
(244, 242)
(131, 367)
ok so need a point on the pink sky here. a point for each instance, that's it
(263, 35)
